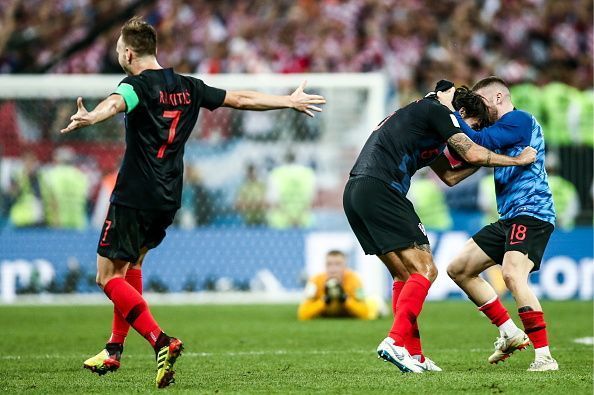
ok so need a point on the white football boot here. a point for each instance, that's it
(428, 365)
(398, 356)
(543, 364)
(505, 346)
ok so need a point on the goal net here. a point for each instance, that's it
(241, 226)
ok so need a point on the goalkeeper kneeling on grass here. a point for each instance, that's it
(337, 292)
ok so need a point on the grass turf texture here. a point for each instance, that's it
(263, 349)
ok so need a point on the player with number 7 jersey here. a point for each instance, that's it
(161, 109)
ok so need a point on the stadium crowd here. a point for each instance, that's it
(70, 192)
(416, 42)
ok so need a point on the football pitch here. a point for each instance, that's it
(264, 349)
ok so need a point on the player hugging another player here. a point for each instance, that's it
(384, 220)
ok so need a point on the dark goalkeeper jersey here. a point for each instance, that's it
(407, 140)
(161, 111)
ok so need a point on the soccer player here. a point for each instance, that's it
(338, 292)
(518, 240)
(385, 222)
(161, 110)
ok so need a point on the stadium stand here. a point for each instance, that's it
(543, 48)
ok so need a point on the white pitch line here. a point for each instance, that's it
(194, 354)
(224, 354)
(585, 340)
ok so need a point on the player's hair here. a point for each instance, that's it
(140, 36)
(473, 104)
(489, 81)
(336, 253)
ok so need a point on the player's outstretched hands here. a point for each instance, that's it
(527, 156)
(304, 102)
(78, 120)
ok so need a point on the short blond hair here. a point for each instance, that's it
(140, 36)
(492, 80)
(336, 253)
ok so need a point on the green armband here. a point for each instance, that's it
(130, 97)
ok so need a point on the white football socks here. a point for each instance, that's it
(508, 328)
(542, 352)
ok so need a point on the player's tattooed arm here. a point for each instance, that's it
(480, 156)
(104, 110)
(461, 143)
(441, 166)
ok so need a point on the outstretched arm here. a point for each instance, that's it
(258, 101)
(441, 167)
(106, 109)
(480, 156)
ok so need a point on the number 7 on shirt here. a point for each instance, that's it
(175, 116)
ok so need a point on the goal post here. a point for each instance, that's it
(53, 87)
(34, 107)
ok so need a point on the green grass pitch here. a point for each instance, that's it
(263, 349)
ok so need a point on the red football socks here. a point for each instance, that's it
(133, 307)
(413, 343)
(495, 311)
(120, 327)
(535, 327)
(408, 307)
(396, 290)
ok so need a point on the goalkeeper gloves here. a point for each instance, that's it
(334, 291)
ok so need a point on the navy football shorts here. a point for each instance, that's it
(523, 233)
(382, 218)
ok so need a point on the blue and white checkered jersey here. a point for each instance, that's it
(521, 190)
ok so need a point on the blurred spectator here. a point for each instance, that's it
(338, 292)
(291, 191)
(103, 196)
(486, 198)
(8, 22)
(65, 190)
(197, 207)
(26, 208)
(534, 40)
(565, 196)
(250, 200)
(430, 202)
